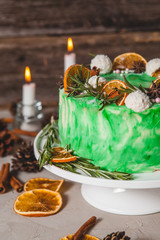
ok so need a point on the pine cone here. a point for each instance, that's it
(117, 236)
(7, 142)
(3, 125)
(13, 106)
(24, 159)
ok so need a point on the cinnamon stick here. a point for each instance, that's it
(4, 177)
(8, 120)
(89, 223)
(23, 132)
(16, 184)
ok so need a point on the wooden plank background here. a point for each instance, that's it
(35, 33)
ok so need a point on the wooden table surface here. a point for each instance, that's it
(74, 213)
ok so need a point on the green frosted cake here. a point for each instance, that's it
(117, 135)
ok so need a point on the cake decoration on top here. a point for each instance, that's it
(154, 91)
(80, 82)
(153, 67)
(102, 62)
(94, 80)
(137, 101)
(132, 61)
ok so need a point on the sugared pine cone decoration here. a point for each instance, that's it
(117, 236)
(24, 159)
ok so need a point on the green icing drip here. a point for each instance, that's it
(115, 138)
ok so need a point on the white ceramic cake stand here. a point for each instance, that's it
(135, 197)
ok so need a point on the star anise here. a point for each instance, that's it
(154, 91)
(139, 66)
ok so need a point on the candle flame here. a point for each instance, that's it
(70, 45)
(27, 74)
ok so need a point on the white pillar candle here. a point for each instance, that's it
(28, 95)
(70, 57)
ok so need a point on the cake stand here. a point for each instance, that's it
(135, 197)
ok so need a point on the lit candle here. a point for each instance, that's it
(70, 56)
(28, 94)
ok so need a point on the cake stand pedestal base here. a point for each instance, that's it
(122, 201)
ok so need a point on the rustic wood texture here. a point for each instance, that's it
(35, 33)
(44, 55)
(23, 18)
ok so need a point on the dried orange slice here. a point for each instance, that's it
(73, 70)
(43, 183)
(156, 81)
(126, 60)
(85, 237)
(156, 73)
(61, 155)
(38, 203)
(110, 89)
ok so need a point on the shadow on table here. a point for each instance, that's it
(65, 187)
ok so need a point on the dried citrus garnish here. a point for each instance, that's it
(111, 89)
(38, 203)
(127, 60)
(85, 237)
(156, 81)
(74, 70)
(156, 73)
(61, 155)
(43, 183)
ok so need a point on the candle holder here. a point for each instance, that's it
(29, 117)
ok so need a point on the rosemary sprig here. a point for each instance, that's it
(142, 88)
(83, 89)
(50, 132)
(129, 85)
(91, 54)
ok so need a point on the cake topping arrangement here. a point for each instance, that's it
(78, 72)
(102, 62)
(139, 66)
(137, 101)
(153, 67)
(129, 61)
(154, 90)
(97, 82)
(113, 89)
(100, 81)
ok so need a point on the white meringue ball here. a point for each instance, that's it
(93, 81)
(152, 66)
(102, 62)
(137, 101)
